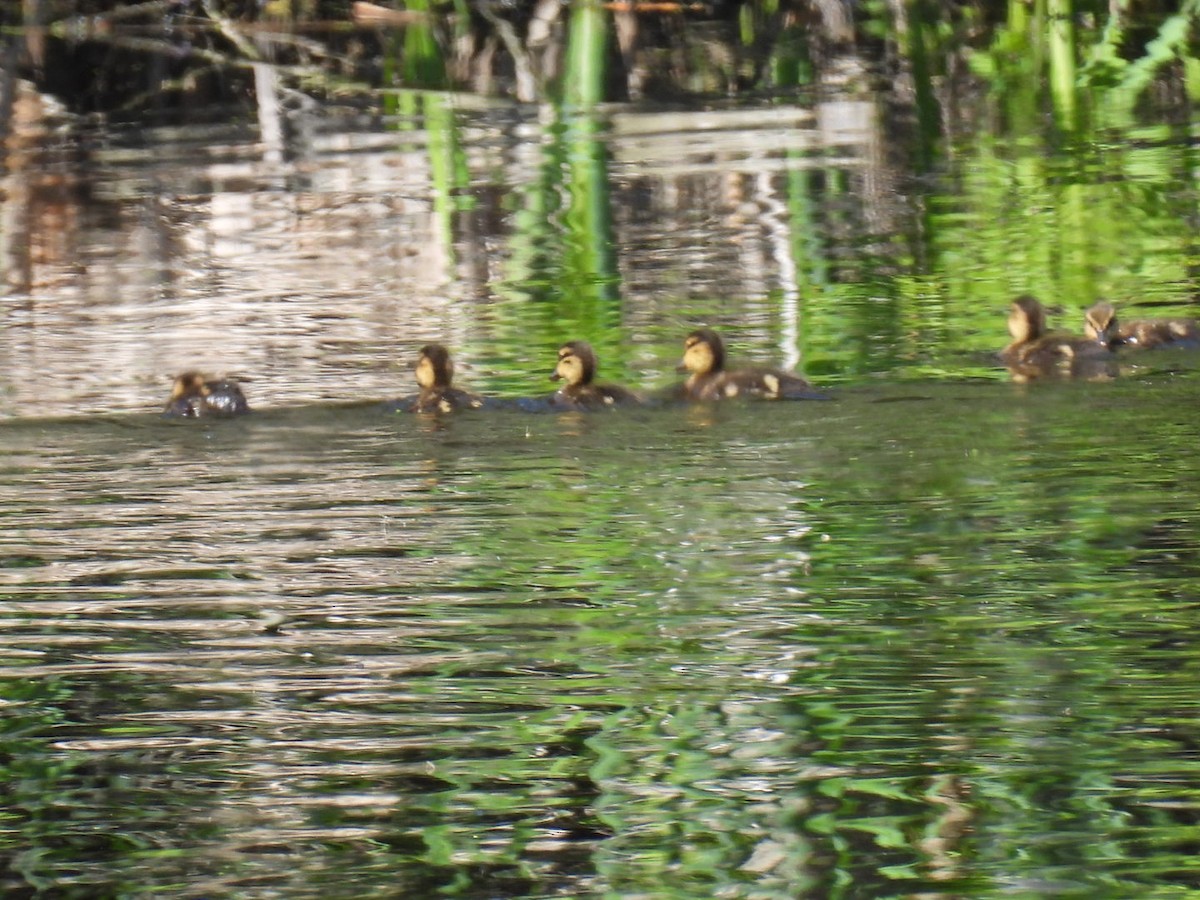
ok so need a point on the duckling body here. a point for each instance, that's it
(1101, 325)
(193, 396)
(435, 376)
(1033, 353)
(576, 367)
(704, 359)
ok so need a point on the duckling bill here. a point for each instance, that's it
(1034, 353)
(708, 379)
(193, 396)
(1100, 324)
(435, 376)
(576, 367)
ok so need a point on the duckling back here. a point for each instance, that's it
(444, 400)
(1102, 325)
(1060, 356)
(193, 396)
(593, 396)
(1150, 333)
(760, 384)
(225, 398)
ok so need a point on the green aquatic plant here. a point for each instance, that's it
(1045, 43)
(1120, 82)
(587, 46)
(1031, 52)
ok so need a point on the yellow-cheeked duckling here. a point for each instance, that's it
(576, 367)
(1101, 325)
(708, 379)
(193, 396)
(435, 374)
(1033, 353)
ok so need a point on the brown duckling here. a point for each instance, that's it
(577, 367)
(704, 358)
(1100, 324)
(435, 372)
(1033, 353)
(194, 396)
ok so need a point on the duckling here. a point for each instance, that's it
(435, 372)
(1100, 324)
(577, 367)
(704, 358)
(1033, 353)
(193, 396)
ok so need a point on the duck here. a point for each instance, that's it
(1033, 353)
(194, 396)
(576, 367)
(435, 374)
(704, 359)
(1100, 324)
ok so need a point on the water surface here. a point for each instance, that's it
(933, 636)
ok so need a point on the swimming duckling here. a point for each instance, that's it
(577, 367)
(435, 372)
(1100, 324)
(1033, 353)
(193, 396)
(704, 358)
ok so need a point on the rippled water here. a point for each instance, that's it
(934, 636)
(899, 641)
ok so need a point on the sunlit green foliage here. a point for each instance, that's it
(1053, 53)
(1043, 43)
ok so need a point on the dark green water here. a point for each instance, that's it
(934, 640)
(934, 637)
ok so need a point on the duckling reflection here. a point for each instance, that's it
(704, 359)
(193, 396)
(577, 368)
(435, 376)
(1101, 325)
(1034, 354)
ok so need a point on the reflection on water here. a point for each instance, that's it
(903, 641)
(317, 278)
(930, 638)
(142, 251)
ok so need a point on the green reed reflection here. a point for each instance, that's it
(590, 260)
(587, 46)
(562, 281)
(572, 248)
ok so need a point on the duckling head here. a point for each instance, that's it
(1100, 322)
(435, 368)
(1026, 320)
(703, 352)
(189, 384)
(576, 364)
